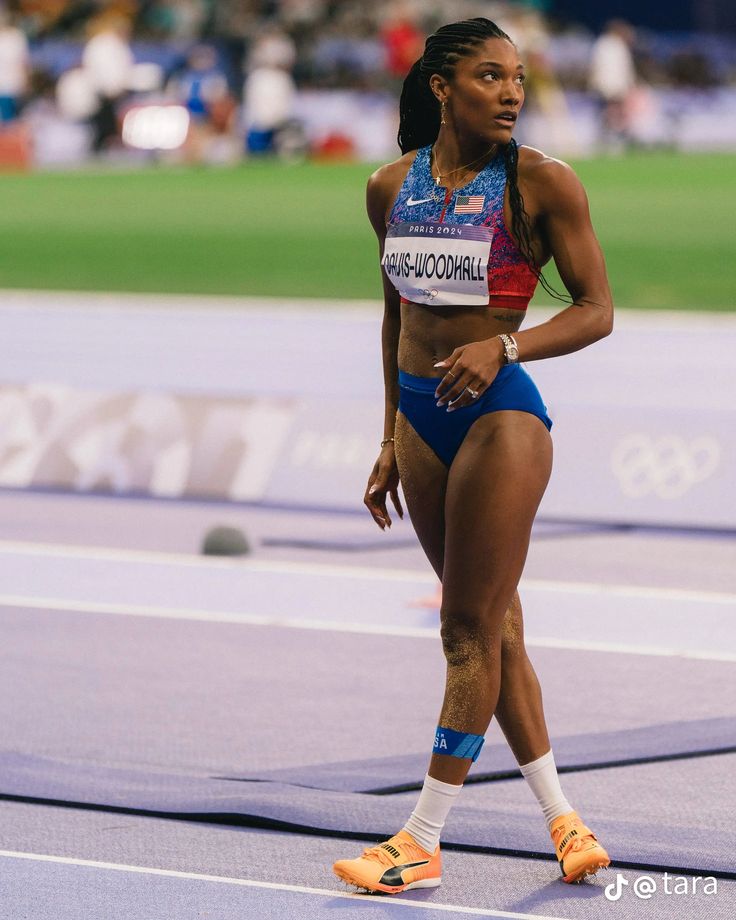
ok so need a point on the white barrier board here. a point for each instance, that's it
(249, 401)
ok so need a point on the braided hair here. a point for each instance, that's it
(419, 115)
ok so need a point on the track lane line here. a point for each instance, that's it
(415, 632)
(371, 573)
(273, 886)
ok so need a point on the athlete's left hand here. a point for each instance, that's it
(470, 367)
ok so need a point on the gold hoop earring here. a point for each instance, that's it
(442, 114)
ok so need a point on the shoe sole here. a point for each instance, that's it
(584, 872)
(387, 889)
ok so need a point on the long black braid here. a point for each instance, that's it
(419, 116)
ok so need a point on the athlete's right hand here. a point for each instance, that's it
(384, 479)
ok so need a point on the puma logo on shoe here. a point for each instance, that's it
(392, 850)
(394, 875)
(564, 841)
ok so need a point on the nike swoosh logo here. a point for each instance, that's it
(411, 202)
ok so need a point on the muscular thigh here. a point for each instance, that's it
(494, 487)
(424, 481)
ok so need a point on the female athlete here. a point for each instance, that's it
(465, 220)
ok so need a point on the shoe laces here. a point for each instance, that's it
(574, 824)
(581, 843)
(377, 855)
(380, 855)
(581, 840)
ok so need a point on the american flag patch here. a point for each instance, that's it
(469, 204)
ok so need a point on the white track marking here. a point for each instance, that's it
(343, 310)
(27, 299)
(150, 557)
(212, 616)
(371, 573)
(414, 632)
(623, 648)
(249, 883)
(642, 591)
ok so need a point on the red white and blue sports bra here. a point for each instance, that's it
(452, 247)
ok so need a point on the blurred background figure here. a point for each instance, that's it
(613, 80)
(15, 67)
(108, 63)
(403, 38)
(202, 86)
(57, 119)
(269, 91)
(201, 81)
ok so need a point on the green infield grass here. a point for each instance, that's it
(665, 222)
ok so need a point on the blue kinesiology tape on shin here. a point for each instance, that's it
(457, 744)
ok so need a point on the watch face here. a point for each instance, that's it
(513, 353)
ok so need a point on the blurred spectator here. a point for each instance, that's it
(201, 83)
(107, 57)
(613, 79)
(269, 90)
(203, 88)
(14, 68)
(76, 97)
(108, 63)
(60, 134)
(402, 38)
(275, 49)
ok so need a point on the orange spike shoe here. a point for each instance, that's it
(578, 851)
(398, 864)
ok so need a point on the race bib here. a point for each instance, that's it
(442, 264)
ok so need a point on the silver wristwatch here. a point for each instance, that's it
(510, 348)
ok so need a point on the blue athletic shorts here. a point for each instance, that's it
(444, 431)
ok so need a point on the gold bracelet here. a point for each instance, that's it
(386, 441)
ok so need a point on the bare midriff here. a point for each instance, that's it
(430, 334)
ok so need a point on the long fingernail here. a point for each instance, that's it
(372, 490)
(439, 364)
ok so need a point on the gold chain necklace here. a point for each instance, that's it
(440, 177)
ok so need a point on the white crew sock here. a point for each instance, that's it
(428, 818)
(541, 774)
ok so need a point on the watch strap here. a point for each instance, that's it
(510, 348)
